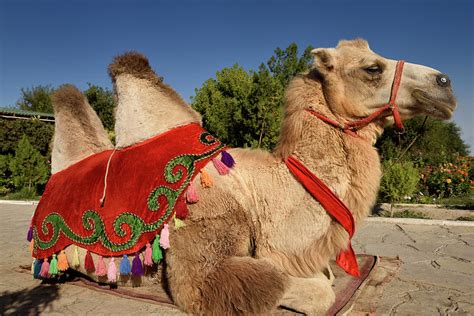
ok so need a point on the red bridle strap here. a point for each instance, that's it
(351, 127)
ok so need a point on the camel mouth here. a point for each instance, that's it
(436, 107)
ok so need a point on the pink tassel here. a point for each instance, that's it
(191, 194)
(101, 270)
(112, 271)
(220, 167)
(45, 269)
(165, 237)
(148, 261)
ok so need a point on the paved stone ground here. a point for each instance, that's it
(436, 277)
(437, 272)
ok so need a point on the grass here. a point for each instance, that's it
(406, 214)
(465, 218)
(22, 195)
(460, 202)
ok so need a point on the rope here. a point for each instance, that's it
(102, 199)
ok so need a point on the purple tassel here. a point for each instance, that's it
(29, 236)
(137, 266)
(227, 159)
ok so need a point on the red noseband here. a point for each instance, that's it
(352, 127)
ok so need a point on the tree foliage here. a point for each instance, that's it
(37, 98)
(243, 108)
(437, 142)
(102, 101)
(11, 131)
(28, 168)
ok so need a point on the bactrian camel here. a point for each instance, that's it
(257, 239)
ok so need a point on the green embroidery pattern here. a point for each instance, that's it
(180, 167)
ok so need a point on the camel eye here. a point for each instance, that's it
(375, 69)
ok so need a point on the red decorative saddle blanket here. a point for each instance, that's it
(144, 188)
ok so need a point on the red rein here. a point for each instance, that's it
(352, 127)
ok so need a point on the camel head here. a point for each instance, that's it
(356, 82)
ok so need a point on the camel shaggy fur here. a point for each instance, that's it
(257, 239)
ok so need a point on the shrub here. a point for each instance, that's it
(399, 179)
(449, 179)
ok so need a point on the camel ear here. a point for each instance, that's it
(323, 59)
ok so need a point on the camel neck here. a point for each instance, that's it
(348, 165)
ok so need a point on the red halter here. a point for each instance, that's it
(352, 127)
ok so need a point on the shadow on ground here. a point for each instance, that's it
(28, 301)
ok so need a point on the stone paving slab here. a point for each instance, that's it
(436, 277)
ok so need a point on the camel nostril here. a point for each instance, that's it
(443, 80)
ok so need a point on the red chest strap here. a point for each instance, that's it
(333, 205)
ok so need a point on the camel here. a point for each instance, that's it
(257, 239)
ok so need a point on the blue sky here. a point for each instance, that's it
(55, 42)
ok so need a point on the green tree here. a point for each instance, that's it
(244, 108)
(435, 142)
(284, 64)
(36, 98)
(28, 168)
(5, 180)
(102, 101)
(38, 132)
(223, 102)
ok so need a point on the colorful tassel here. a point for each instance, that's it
(137, 266)
(191, 194)
(44, 273)
(37, 269)
(178, 223)
(53, 266)
(63, 265)
(89, 263)
(165, 237)
(206, 179)
(125, 268)
(156, 255)
(29, 235)
(75, 258)
(101, 270)
(148, 261)
(112, 271)
(227, 159)
(220, 167)
(181, 208)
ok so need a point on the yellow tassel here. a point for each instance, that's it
(206, 179)
(63, 265)
(32, 246)
(75, 258)
(178, 223)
